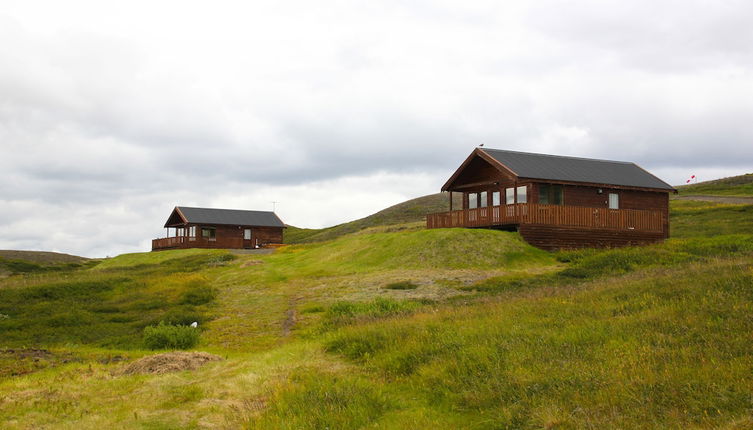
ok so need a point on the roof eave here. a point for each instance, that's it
(236, 224)
(486, 157)
(598, 184)
(176, 209)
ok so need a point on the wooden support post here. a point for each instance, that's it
(450, 193)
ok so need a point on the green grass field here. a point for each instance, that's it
(394, 326)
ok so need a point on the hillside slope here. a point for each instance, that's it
(16, 262)
(41, 257)
(741, 185)
(409, 211)
(403, 329)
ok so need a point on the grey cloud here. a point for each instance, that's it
(669, 36)
(94, 118)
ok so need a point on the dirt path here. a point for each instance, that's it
(736, 200)
(291, 316)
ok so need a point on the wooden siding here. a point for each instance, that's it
(561, 237)
(182, 242)
(226, 237)
(583, 219)
(573, 196)
(598, 218)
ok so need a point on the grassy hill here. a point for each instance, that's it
(16, 262)
(393, 326)
(410, 211)
(733, 186)
(40, 257)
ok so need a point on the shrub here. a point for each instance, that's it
(166, 336)
(401, 285)
(19, 266)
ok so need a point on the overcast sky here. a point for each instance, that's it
(112, 113)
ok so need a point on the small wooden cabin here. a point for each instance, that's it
(558, 202)
(220, 228)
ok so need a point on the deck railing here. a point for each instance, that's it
(532, 213)
(179, 242)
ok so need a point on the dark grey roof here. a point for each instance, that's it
(231, 216)
(559, 168)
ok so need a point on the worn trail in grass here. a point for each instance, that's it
(258, 294)
(401, 328)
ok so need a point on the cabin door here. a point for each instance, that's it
(248, 238)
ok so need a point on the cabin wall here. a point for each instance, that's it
(479, 171)
(575, 195)
(552, 237)
(267, 234)
(490, 188)
(588, 196)
(231, 237)
(479, 176)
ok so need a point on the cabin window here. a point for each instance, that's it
(614, 201)
(483, 197)
(247, 234)
(522, 195)
(209, 233)
(550, 194)
(510, 196)
(495, 198)
(472, 200)
(192, 232)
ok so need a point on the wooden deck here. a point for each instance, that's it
(183, 242)
(649, 221)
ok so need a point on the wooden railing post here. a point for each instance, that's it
(532, 213)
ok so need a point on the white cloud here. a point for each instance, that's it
(340, 109)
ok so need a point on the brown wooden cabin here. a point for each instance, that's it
(220, 228)
(558, 202)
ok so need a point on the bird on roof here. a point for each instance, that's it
(481, 145)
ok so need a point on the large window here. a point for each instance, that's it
(209, 233)
(510, 196)
(522, 195)
(192, 232)
(550, 194)
(495, 198)
(247, 234)
(472, 200)
(614, 201)
(484, 202)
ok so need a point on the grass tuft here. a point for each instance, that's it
(165, 336)
(346, 312)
